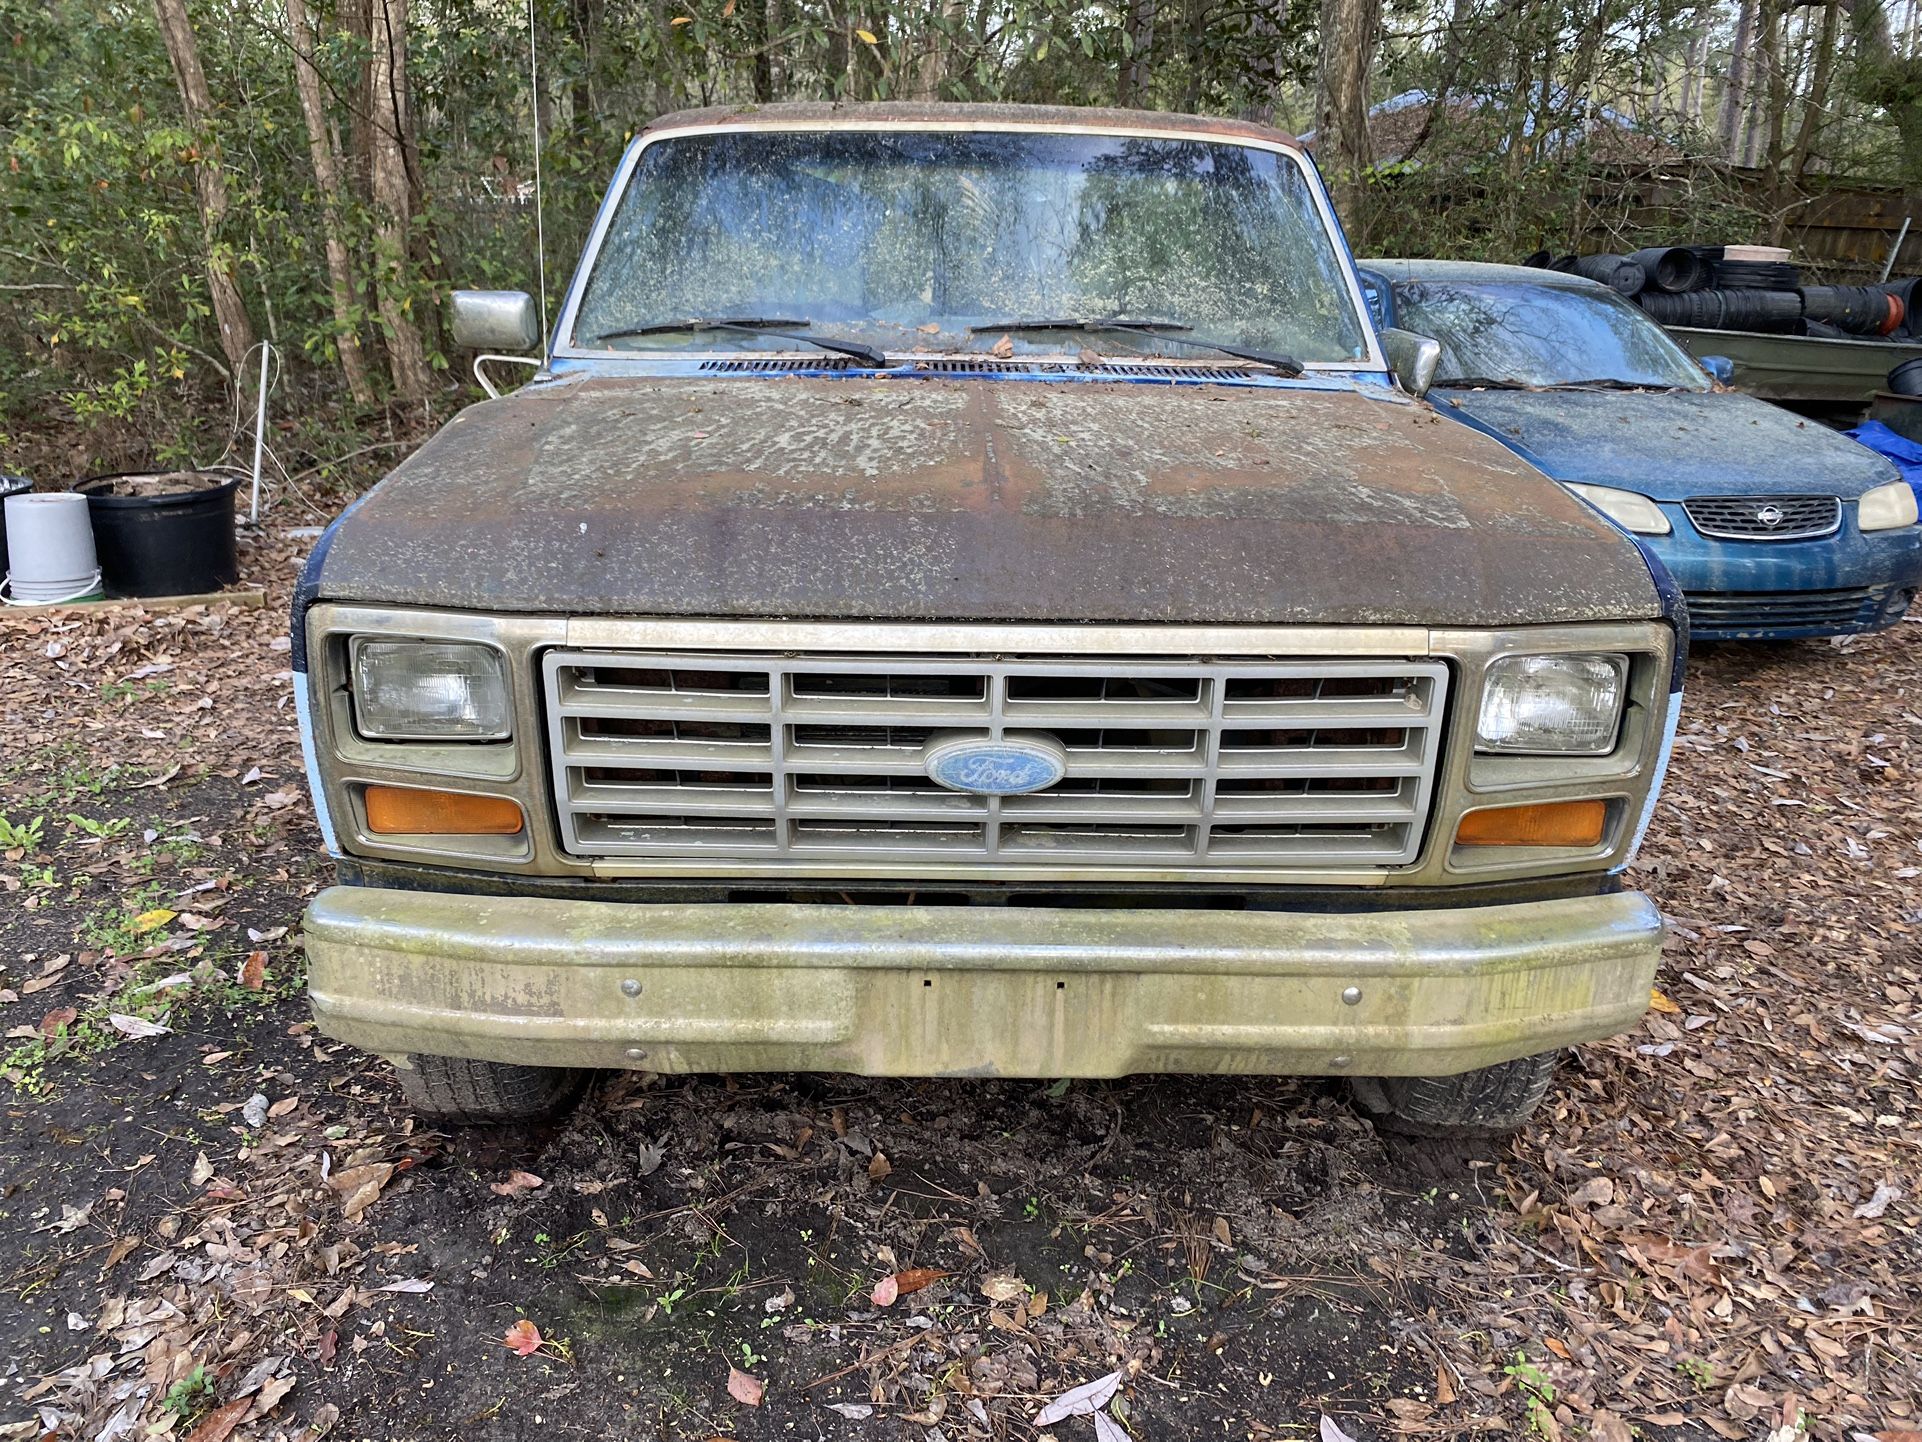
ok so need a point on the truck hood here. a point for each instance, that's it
(1672, 445)
(907, 499)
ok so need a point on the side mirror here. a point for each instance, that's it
(496, 320)
(1413, 358)
(1719, 367)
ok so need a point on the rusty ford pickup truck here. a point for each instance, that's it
(968, 592)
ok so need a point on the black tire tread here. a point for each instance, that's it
(460, 1090)
(1490, 1101)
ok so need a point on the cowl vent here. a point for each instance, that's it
(968, 365)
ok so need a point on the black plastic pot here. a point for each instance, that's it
(1906, 379)
(1616, 272)
(1672, 269)
(1857, 309)
(1753, 275)
(177, 544)
(9, 486)
(1702, 309)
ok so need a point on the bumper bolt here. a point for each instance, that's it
(630, 987)
(636, 1053)
(1351, 996)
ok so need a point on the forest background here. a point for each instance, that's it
(183, 179)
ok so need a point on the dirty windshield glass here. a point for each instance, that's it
(1541, 335)
(905, 239)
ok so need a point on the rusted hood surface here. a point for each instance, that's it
(979, 500)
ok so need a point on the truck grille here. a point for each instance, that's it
(1764, 518)
(810, 758)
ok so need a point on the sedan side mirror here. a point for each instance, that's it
(496, 320)
(1413, 358)
(1720, 368)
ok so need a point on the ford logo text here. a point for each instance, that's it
(982, 766)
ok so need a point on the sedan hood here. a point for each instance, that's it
(985, 500)
(1672, 445)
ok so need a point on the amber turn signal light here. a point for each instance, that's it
(404, 811)
(1549, 823)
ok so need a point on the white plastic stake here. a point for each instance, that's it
(260, 428)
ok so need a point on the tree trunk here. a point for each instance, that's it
(1891, 79)
(1734, 108)
(1349, 30)
(320, 146)
(1815, 104)
(1131, 86)
(1694, 66)
(210, 182)
(393, 194)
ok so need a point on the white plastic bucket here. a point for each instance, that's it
(50, 549)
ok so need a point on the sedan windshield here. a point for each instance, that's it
(907, 239)
(1542, 335)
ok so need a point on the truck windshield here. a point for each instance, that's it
(904, 239)
(1543, 335)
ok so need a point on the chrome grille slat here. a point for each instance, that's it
(1740, 518)
(1202, 761)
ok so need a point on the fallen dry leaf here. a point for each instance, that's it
(885, 1291)
(523, 1339)
(253, 971)
(1082, 1401)
(517, 1184)
(218, 1424)
(743, 1387)
(1003, 1287)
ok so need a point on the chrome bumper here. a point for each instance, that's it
(933, 991)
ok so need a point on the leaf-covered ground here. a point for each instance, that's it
(214, 1222)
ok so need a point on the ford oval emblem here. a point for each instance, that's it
(982, 766)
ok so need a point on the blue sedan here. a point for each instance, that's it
(1775, 527)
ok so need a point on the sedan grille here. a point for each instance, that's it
(1712, 611)
(1764, 518)
(785, 758)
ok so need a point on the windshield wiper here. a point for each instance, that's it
(1166, 330)
(756, 325)
(1611, 383)
(1499, 383)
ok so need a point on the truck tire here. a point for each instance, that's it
(1488, 1102)
(459, 1090)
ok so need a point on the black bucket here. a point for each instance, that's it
(178, 543)
(9, 486)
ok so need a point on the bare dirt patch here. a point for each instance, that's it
(213, 1222)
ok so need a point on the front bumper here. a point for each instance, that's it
(974, 991)
(1780, 590)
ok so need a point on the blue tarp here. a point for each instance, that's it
(1905, 453)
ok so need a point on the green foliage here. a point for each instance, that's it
(1558, 114)
(21, 835)
(191, 1395)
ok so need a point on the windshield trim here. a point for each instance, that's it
(560, 345)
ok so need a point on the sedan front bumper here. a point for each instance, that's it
(974, 991)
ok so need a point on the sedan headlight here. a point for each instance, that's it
(1565, 704)
(1626, 509)
(429, 691)
(1886, 507)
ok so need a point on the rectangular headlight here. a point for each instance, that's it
(429, 691)
(1561, 704)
